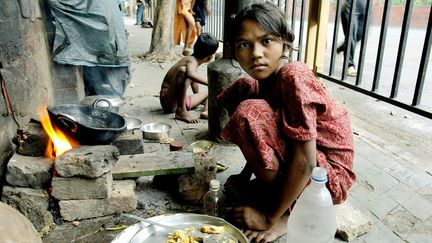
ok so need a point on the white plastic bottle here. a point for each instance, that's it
(313, 218)
(214, 200)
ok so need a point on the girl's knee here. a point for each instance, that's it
(245, 107)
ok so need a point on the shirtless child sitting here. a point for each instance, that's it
(173, 97)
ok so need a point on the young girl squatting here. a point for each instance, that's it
(284, 121)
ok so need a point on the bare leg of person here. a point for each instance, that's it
(182, 113)
(195, 87)
(204, 114)
(199, 28)
(189, 20)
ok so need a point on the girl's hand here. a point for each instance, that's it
(251, 218)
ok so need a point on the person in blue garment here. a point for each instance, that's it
(139, 12)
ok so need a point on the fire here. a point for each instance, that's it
(59, 142)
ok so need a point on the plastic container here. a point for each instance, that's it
(214, 200)
(313, 218)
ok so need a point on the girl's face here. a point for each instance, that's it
(258, 52)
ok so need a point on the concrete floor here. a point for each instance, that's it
(393, 148)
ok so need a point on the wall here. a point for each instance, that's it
(30, 77)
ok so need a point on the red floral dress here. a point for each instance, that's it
(267, 116)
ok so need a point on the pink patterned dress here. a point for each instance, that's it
(267, 116)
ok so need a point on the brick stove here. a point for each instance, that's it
(94, 181)
(76, 185)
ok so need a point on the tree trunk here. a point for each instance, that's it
(162, 43)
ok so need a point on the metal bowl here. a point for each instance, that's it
(155, 131)
(105, 102)
(201, 146)
(133, 123)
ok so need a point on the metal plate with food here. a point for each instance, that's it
(146, 233)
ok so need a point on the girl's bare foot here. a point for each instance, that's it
(204, 115)
(186, 117)
(276, 231)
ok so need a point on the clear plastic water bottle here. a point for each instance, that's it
(313, 218)
(214, 200)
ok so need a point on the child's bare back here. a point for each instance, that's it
(173, 93)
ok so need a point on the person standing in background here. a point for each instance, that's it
(139, 12)
(184, 25)
(357, 30)
(200, 12)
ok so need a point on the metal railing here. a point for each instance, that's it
(394, 69)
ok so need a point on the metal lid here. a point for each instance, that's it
(103, 101)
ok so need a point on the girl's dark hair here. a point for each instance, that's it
(206, 45)
(270, 17)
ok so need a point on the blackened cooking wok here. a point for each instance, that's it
(87, 125)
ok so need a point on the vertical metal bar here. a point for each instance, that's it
(364, 42)
(335, 37)
(293, 17)
(423, 63)
(401, 49)
(302, 21)
(348, 40)
(381, 45)
(222, 6)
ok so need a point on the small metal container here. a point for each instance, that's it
(104, 102)
(133, 123)
(201, 146)
(155, 131)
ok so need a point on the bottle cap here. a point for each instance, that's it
(214, 184)
(319, 175)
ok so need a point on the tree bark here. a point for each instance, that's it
(162, 43)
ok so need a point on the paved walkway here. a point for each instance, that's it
(392, 146)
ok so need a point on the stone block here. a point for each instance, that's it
(351, 222)
(77, 188)
(192, 187)
(31, 140)
(87, 161)
(130, 142)
(123, 195)
(72, 210)
(26, 171)
(32, 203)
(221, 73)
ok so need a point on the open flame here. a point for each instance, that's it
(59, 142)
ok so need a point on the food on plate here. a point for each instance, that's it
(181, 236)
(212, 229)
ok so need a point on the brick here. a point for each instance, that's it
(72, 210)
(77, 188)
(87, 161)
(123, 195)
(26, 171)
(130, 142)
(351, 222)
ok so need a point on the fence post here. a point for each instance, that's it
(317, 34)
